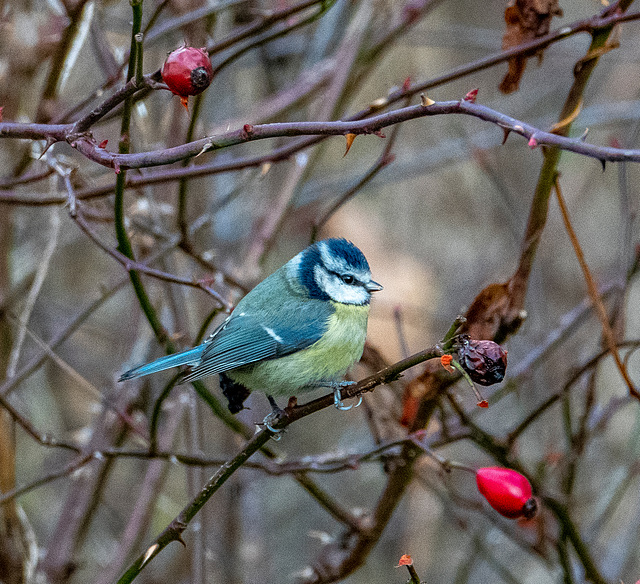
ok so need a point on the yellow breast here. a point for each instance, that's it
(327, 360)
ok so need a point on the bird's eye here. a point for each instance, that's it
(347, 279)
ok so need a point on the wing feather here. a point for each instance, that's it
(245, 338)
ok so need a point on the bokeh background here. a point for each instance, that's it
(438, 224)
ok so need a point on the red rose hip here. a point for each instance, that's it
(507, 491)
(187, 71)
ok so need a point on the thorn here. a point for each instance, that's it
(103, 144)
(584, 135)
(116, 166)
(471, 96)
(483, 403)
(50, 142)
(207, 146)
(350, 138)
(506, 132)
(184, 100)
(149, 553)
(532, 142)
(1, 108)
(407, 84)
(179, 538)
(604, 164)
(425, 101)
(248, 129)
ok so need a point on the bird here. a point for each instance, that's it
(299, 329)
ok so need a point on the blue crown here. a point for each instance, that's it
(341, 248)
(335, 255)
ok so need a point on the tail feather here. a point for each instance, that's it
(190, 357)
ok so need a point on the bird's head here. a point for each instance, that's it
(333, 269)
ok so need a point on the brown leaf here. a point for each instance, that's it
(525, 20)
(486, 312)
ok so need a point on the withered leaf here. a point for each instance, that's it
(526, 20)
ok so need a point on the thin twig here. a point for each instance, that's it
(34, 291)
(593, 293)
(132, 265)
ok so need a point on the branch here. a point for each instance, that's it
(173, 532)
(132, 265)
(248, 133)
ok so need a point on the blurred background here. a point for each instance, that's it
(440, 222)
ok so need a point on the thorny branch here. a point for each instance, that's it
(350, 550)
(373, 125)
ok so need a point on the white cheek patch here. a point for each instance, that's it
(338, 290)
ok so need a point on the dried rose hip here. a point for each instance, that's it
(484, 361)
(507, 491)
(187, 71)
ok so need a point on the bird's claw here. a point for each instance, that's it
(337, 398)
(273, 418)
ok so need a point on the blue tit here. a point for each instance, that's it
(300, 328)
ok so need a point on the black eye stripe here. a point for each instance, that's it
(354, 281)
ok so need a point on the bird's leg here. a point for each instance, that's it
(337, 397)
(276, 413)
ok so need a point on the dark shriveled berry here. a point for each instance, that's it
(484, 361)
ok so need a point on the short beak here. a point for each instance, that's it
(373, 286)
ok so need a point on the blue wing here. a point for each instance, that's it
(245, 338)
